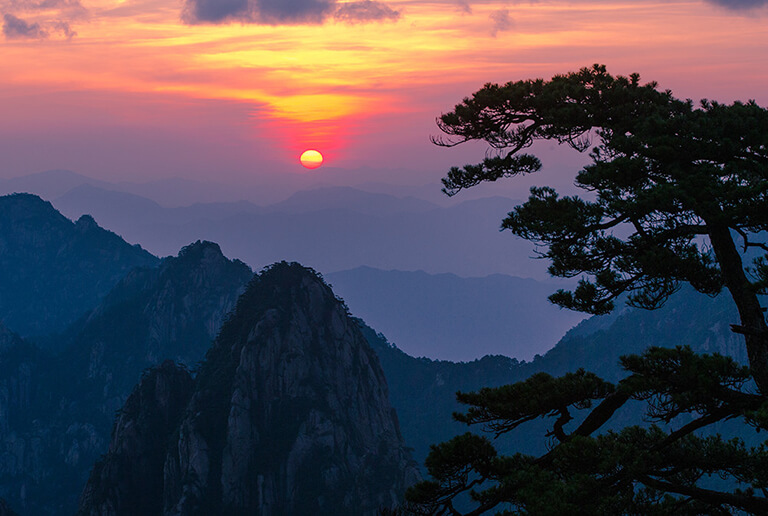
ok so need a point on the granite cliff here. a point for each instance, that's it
(289, 414)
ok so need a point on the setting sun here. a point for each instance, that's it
(311, 159)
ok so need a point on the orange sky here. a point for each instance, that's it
(125, 89)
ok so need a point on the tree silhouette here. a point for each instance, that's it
(675, 193)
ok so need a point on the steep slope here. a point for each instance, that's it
(423, 391)
(289, 415)
(134, 485)
(687, 319)
(53, 270)
(170, 312)
(69, 399)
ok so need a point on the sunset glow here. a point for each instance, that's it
(341, 84)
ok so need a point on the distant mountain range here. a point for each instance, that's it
(330, 229)
(175, 192)
(444, 316)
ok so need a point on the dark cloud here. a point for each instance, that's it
(267, 12)
(284, 12)
(365, 11)
(214, 11)
(501, 21)
(276, 12)
(16, 28)
(738, 5)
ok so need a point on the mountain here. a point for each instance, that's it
(289, 414)
(168, 192)
(349, 199)
(331, 229)
(173, 312)
(423, 390)
(117, 208)
(447, 317)
(52, 270)
(61, 402)
(686, 319)
(49, 184)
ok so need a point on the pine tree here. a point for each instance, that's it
(675, 193)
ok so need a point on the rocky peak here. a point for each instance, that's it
(25, 206)
(289, 415)
(172, 312)
(85, 223)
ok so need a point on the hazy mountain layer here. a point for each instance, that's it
(447, 317)
(330, 229)
(52, 270)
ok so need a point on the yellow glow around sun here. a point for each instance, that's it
(311, 159)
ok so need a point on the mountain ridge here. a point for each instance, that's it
(290, 399)
(53, 269)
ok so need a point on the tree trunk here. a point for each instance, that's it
(753, 325)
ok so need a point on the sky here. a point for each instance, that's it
(235, 90)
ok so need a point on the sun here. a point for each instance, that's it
(311, 158)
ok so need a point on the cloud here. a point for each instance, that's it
(284, 12)
(70, 8)
(266, 12)
(16, 28)
(738, 5)
(64, 28)
(501, 21)
(365, 11)
(464, 7)
(213, 11)
(52, 18)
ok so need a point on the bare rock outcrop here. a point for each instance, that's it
(289, 415)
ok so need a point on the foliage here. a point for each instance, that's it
(674, 193)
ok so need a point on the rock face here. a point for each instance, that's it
(53, 270)
(170, 312)
(289, 415)
(5, 510)
(133, 468)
